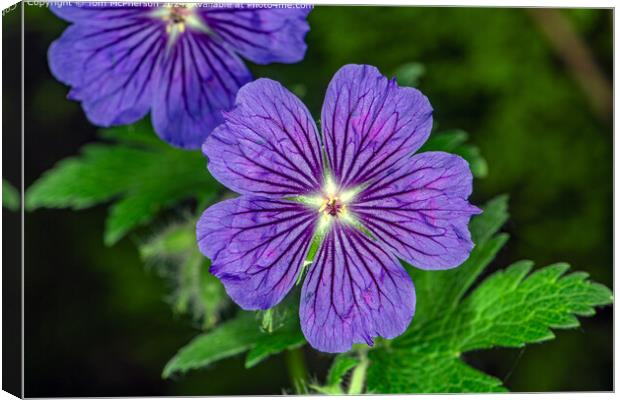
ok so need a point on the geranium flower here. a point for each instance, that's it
(181, 63)
(370, 203)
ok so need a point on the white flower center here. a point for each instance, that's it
(178, 18)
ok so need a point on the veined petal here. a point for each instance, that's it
(355, 291)
(261, 35)
(198, 81)
(256, 246)
(108, 16)
(420, 210)
(110, 68)
(268, 144)
(370, 124)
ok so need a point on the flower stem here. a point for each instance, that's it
(358, 377)
(297, 369)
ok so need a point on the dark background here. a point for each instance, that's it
(537, 103)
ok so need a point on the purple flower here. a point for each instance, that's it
(181, 63)
(369, 204)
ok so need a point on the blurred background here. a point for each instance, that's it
(533, 89)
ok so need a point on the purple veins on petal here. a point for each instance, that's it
(354, 291)
(268, 144)
(257, 247)
(181, 63)
(371, 203)
(197, 80)
(110, 69)
(262, 35)
(420, 210)
(370, 124)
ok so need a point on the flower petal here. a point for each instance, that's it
(261, 35)
(256, 246)
(354, 291)
(99, 14)
(371, 124)
(268, 145)
(199, 80)
(420, 210)
(110, 68)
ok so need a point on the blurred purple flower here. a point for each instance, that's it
(371, 203)
(181, 63)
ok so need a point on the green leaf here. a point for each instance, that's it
(494, 216)
(446, 287)
(10, 196)
(454, 141)
(342, 364)
(175, 256)
(139, 173)
(274, 343)
(510, 309)
(420, 372)
(228, 339)
(447, 141)
(280, 332)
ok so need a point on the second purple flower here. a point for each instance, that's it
(179, 62)
(357, 191)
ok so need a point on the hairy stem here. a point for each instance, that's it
(358, 377)
(297, 369)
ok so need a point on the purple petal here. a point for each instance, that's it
(420, 210)
(256, 246)
(268, 145)
(261, 35)
(99, 14)
(354, 291)
(110, 68)
(199, 80)
(371, 124)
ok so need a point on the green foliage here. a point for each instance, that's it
(10, 196)
(138, 173)
(281, 333)
(342, 364)
(409, 74)
(174, 254)
(277, 331)
(228, 339)
(508, 309)
(454, 141)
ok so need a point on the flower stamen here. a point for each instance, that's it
(178, 19)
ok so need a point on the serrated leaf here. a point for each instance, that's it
(408, 371)
(139, 173)
(10, 196)
(228, 339)
(509, 309)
